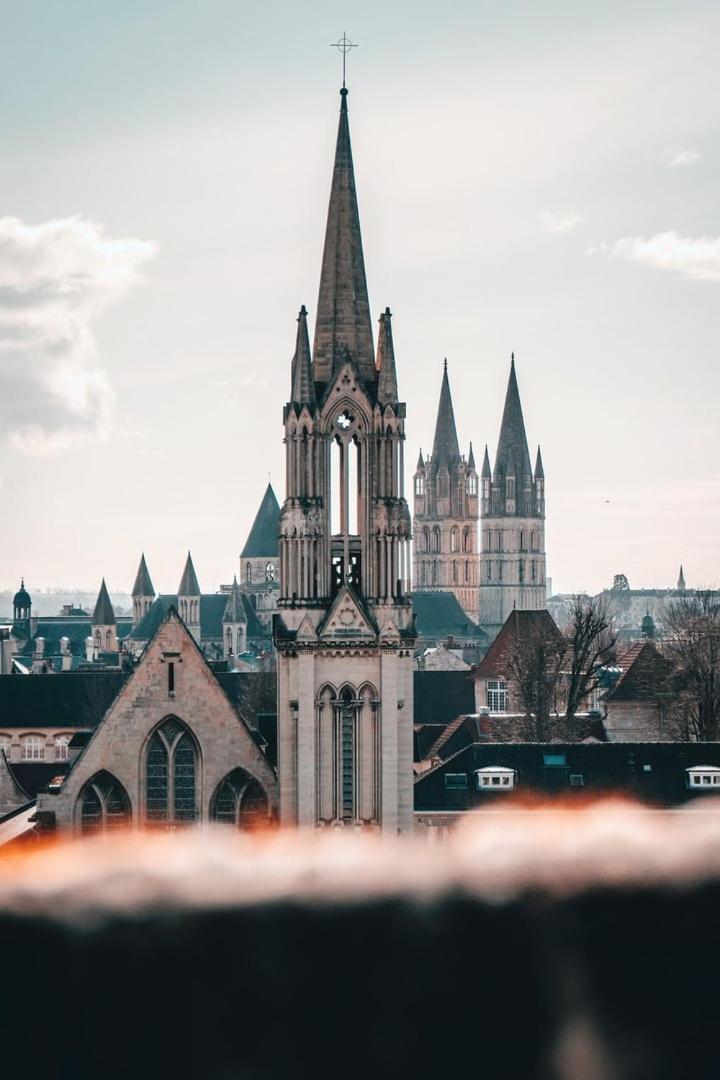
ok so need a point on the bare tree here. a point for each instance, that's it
(692, 642)
(591, 642)
(535, 668)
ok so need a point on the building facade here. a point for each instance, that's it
(445, 513)
(344, 633)
(512, 521)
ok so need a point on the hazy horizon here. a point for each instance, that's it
(536, 181)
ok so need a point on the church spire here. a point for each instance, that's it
(446, 449)
(539, 471)
(387, 375)
(104, 614)
(471, 458)
(513, 440)
(343, 310)
(303, 388)
(486, 470)
(189, 583)
(681, 580)
(143, 583)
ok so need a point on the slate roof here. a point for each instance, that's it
(104, 615)
(34, 776)
(212, 609)
(512, 451)
(651, 772)
(263, 539)
(446, 449)
(70, 699)
(76, 630)
(440, 696)
(188, 582)
(343, 310)
(438, 616)
(518, 625)
(143, 585)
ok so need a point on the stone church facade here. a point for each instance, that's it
(344, 633)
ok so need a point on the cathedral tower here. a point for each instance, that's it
(446, 514)
(512, 521)
(344, 633)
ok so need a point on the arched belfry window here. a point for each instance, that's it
(240, 800)
(103, 805)
(346, 735)
(171, 775)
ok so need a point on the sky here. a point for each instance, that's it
(532, 178)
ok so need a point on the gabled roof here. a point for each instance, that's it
(646, 676)
(143, 585)
(519, 625)
(104, 614)
(446, 449)
(512, 452)
(263, 539)
(343, 308)
(438, 615)
(189, 583)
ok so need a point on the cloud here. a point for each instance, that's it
(559, 223)
(56, 279)
(679, 155)
(694, 258)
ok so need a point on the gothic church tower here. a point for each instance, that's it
(446, 514)
(512, 522)
(344, 633)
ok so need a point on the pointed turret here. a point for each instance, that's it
(539, 471)
(235, 609)
(343, 310)
(263, 539)
(387, 375)
(681, 580)
(513, 439)
(189, 583)
(446, 448)
(143, 586)
(234, 623)
(420, 462)
(303, 387)
(104, 614)
(471, 459)
(486, 472)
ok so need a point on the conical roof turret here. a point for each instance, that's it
(143, 585)
(420, 461)
(513, 440)
(104, 614)
(385, 364)
(446, 449)
(681, 580)
(342, 325)
(263, 539)
(539, 471)
(189, 583)
(235, 609)
(471, 459)
(303, 388)
(486, 471)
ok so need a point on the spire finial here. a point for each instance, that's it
(343, 45)
(445, 364)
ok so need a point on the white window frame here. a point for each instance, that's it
(495, 778)
(37, 745)
(497, 695)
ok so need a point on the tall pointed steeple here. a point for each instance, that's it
(189, 583)
(471, 458)
(539, 471)
(143, 585)
(303, 387)
(446, 448)
(681, 580)
(387, 375)
(513, 440)
(343, 310)
(104, 614)
(486, 472)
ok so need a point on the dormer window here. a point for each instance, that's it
(703, 778)
(495, 778)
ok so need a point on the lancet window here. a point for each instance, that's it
(171, 767)
(103, 805)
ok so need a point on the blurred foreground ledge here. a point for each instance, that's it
(559, 944)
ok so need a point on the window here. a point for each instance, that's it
(510, 494)
(488, 570)
(495, 778)
(269, 571)
(522, 539)
(497, 695)
(455, 572)
(453, 539)
(443, 485)
(5, 744)
(500, 571)
(456, 781)
(703, 776)
(466, 546)
(554, 759)
(498, 540)
(170, 775)
(62, 743)
(104, 805)
(576, 780)
(419, 485)
(436, 539)
(533, 570)
(346, 766)
(32, 747)
(248, 573)
(467, 571)
(486, 489)
(471, 486)
(521, 571)
(240, 801)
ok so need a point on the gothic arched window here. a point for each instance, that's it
(240, 800)
(453, 539)
(425, 540)
(248, 573)
(269, 571)
(171, 763)
(108, 641)
(103, 805)
(419, 485)
(436, 539)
